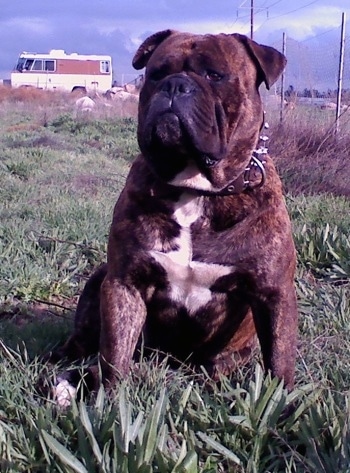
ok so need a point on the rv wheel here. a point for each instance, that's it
(79, 91)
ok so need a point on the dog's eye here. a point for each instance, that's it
(213, 76)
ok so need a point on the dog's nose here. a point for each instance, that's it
(177, 86)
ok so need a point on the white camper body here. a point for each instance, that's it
(58, 70)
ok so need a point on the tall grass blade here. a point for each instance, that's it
(150, 435)
(63, 453)
(227, 454)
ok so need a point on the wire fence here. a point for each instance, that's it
(312, 75)
(312, 68)
(121, 79)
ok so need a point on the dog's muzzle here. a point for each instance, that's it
(176, 88)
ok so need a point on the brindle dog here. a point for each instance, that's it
(200, 255)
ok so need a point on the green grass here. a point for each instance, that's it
(60, 175)
(57, 202)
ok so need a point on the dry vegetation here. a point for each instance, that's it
(311, 158)
(31, 95)
(54, 102)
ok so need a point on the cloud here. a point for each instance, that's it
(305, 23)
(29, 25)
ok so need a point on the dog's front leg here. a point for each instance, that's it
(123, 314)
(276, 320)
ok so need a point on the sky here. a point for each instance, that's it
(117, 27)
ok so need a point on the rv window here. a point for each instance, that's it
(38, 65)
(49, 65)
(104, 67)
(28, 64)
(20, 64)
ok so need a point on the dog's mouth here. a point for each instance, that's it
(172, 140)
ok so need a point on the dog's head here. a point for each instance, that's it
(200, 110)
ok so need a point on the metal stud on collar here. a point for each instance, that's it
(230, 188)
(260, 165)
(257, 159)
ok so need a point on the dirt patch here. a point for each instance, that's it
(21, 313)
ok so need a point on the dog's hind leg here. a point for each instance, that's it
(85, 340)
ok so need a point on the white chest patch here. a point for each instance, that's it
(191, 177)
(190, 281)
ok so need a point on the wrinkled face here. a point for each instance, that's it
(200, 111)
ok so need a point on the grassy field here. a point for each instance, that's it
(60, 174)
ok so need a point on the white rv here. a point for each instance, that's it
(58, 70)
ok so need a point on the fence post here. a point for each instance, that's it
(340, 74)
(282, 80)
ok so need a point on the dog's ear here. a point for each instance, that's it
(147, 48)
(270, 62)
